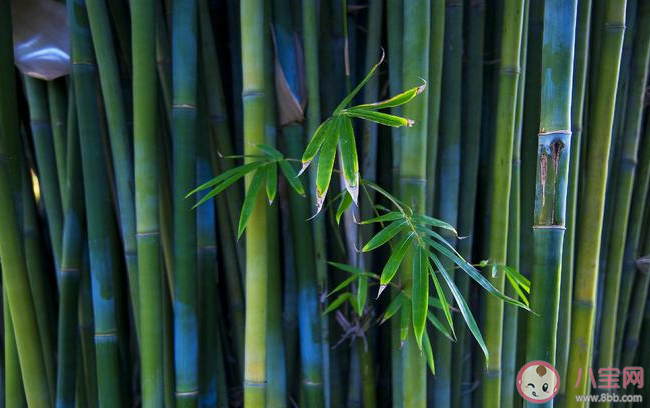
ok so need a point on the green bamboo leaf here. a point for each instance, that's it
(428, 352)
(439, 325)
(434, 222)
(473, 273)
(249, 201)
(345, 203)
(362, 294)
(219, 188)
(326, 163)
(378, 117)
(444, 305)
(343, 284)
(338, 302)
(271, 151)
(397, 100)
(462, 305)
(239, 170)
(384, 235)
(292, 177)
(419, 294)
(271, 181)
(391, 216)
(518, 290)
(356, 90)
(394, 261)
(315, 144)
(518, 277)
(349, 158)
(346, 267)
(393, 307)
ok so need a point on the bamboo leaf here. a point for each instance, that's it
(219, 188)
(444, 305)
(391, 216)
(434, 222)
(362, 294)
(349, 158)
(326, 164)
(240, 171)
(395, 259)
(344, 284)
(378, 117)
(462, 305)
(393, 307)
(271, 181)
(271, 151)
(428, 352)
(473, 273)
(517, 289)
(420, 294)
(315, 144)
(345, 203)
(439, 325)
(518, 277)
(250, 200)
(397, 100)
(292, 177)
(338, 302)
(356, 90)
(346, 267)
(384, 235)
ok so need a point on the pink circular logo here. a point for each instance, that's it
(538, 382)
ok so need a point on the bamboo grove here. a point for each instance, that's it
(284, 203)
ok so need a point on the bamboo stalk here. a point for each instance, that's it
(86, 324)
(120, 142)
(252, 35)
(146, 171)
(13, 384)
(592, 207)
(184, 74)
(412, 178)
(70, 270)
(58, 106)
(470, 141)
(98, 209)
(39, 116)
(580, 66)
(15, 278)
(510, 314)
(625, 176)
(635, 319)
(501, 178)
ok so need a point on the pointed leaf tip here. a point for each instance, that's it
(381, 290)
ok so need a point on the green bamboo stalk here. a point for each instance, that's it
(13, 384)
(70, 270)
(592, 206)
(633, 239)
(501, 178)
(252, 41)
(15, 278)
(99, 209)
(625, 176)
(448, 183)
(412, 178)
(58, 107)
(38, 280)
(145, 143)
(310, 28)
(184, 74)
(581, 55)
(120, 142)
(206, 241)
(470, 141)
(86, 324)
(511, 315)
(636, 313)
(395, 20)
(553, 154)
(228, 206)
(39, 117)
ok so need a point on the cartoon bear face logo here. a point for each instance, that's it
(538, 382)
